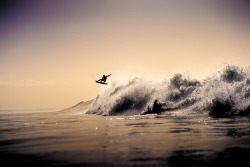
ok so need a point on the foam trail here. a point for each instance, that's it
(223, 95)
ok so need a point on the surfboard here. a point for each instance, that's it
(104, 83)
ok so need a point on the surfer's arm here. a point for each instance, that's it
(108, 75)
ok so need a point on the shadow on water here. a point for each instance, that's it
(238, 132)
(230, 157)
(11, 158)
(235, 156)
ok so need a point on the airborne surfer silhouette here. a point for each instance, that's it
(103, 80)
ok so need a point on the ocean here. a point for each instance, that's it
(77, 139)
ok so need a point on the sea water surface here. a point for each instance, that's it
(77, 139)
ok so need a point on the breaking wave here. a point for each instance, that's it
(224, 94)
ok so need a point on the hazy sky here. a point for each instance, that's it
(52, 51)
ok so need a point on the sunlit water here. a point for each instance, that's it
(71, 139)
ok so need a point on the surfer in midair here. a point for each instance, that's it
(103, 80)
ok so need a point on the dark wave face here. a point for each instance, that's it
(225, 94)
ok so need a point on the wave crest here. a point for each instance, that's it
(222, 95)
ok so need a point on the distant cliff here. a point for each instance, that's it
(81, 107)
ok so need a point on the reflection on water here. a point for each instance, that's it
(68, 139)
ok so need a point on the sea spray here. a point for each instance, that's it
(124, 98)
(224, 94)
